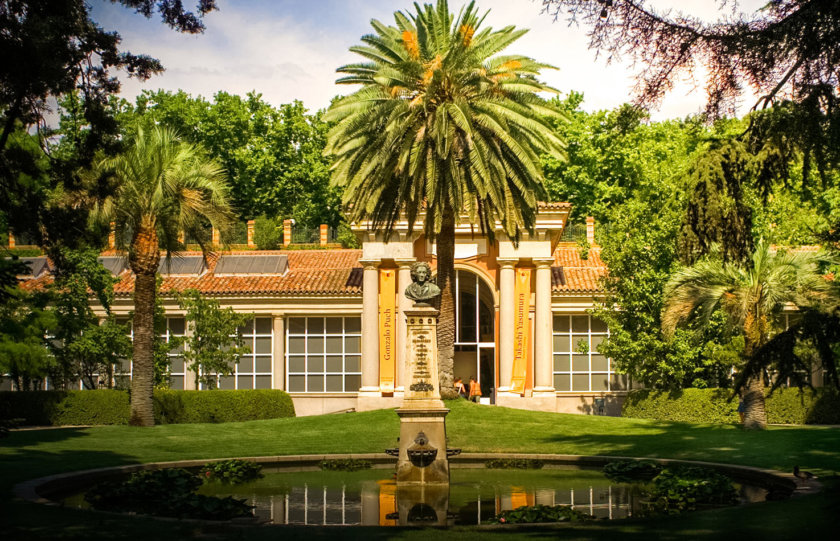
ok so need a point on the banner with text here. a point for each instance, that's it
(521, 329)
(387, 328)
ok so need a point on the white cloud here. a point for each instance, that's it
(289, 50)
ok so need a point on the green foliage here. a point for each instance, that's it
(514, 464)
(344, 464)
(785, 406)
(110, 407)
(682, 488)
(627, 471)
(172, 407)
(411, 138)
(615, 157)
(273, 155)
(641, 259)
(233, 471)
(346, 237)
(216, 343)
(268, 233)
(168, 493)
(85, 348)
(540, 513)
(718, 213)
(57, 408)
(24, 323)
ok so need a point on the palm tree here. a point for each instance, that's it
(164, 186)
(751, 295)
(445, 129)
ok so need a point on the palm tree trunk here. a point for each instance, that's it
(755, 414)
(446, 283)
(144, 259)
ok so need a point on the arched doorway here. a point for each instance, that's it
(475, 331)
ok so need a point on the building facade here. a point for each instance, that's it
(328, 324)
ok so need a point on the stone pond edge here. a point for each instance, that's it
(39, 490)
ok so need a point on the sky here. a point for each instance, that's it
(289, 49)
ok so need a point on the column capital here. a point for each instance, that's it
(405, 262)
(543, 262)
(370, 263)
(507, 263)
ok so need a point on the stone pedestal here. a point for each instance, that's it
(422, 454)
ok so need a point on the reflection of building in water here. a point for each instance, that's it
(375, 503)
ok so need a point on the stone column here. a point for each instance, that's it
(279, 357)
(403, 304)
(370, 327)
(287, 232)
(507, 282)
(250, 235)
(543, 373)
(324, 232)
(189, 375)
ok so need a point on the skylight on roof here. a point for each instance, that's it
(275, 264)
(182, 265)
(115, 264)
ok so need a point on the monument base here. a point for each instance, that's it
(422, 457)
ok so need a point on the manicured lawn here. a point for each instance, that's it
(473, 428)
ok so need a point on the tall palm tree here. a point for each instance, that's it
(445, 129)
(750, 295)
(164, 186)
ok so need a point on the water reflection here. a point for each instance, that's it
(365, 498)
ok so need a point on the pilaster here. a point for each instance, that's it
(370, 328)
(507, 283)
(543, 373)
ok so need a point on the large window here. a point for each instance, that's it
(578, 363)
(323, 354)
(175, 327)
(254, 370)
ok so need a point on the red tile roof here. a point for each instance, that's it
(311, 272)
(571, 273)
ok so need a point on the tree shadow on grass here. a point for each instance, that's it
(779, 448)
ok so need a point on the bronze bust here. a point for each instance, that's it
(421, 289)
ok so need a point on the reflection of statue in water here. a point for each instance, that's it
(421, 289)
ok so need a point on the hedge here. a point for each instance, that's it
(111, 407)
(175, 407)
(784, 406)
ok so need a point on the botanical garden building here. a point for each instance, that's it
(328, 325)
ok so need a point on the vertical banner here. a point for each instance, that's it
(521, 329)
(387, 328)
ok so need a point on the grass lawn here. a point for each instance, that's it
(472, 427)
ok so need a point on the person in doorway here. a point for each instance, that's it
(475, 389)
(460, 389)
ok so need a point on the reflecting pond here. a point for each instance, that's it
(371, 497)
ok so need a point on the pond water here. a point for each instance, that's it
(371, 497)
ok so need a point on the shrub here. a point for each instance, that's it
(682, 488)
(168, 493)
(688, 405)
(100, 407)
(514, 464)
(789, 406)
(268, 233)
(539, 513)
(344, 464)
(216, 406)
(233, 471)
(626, 471)
(111, 407)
